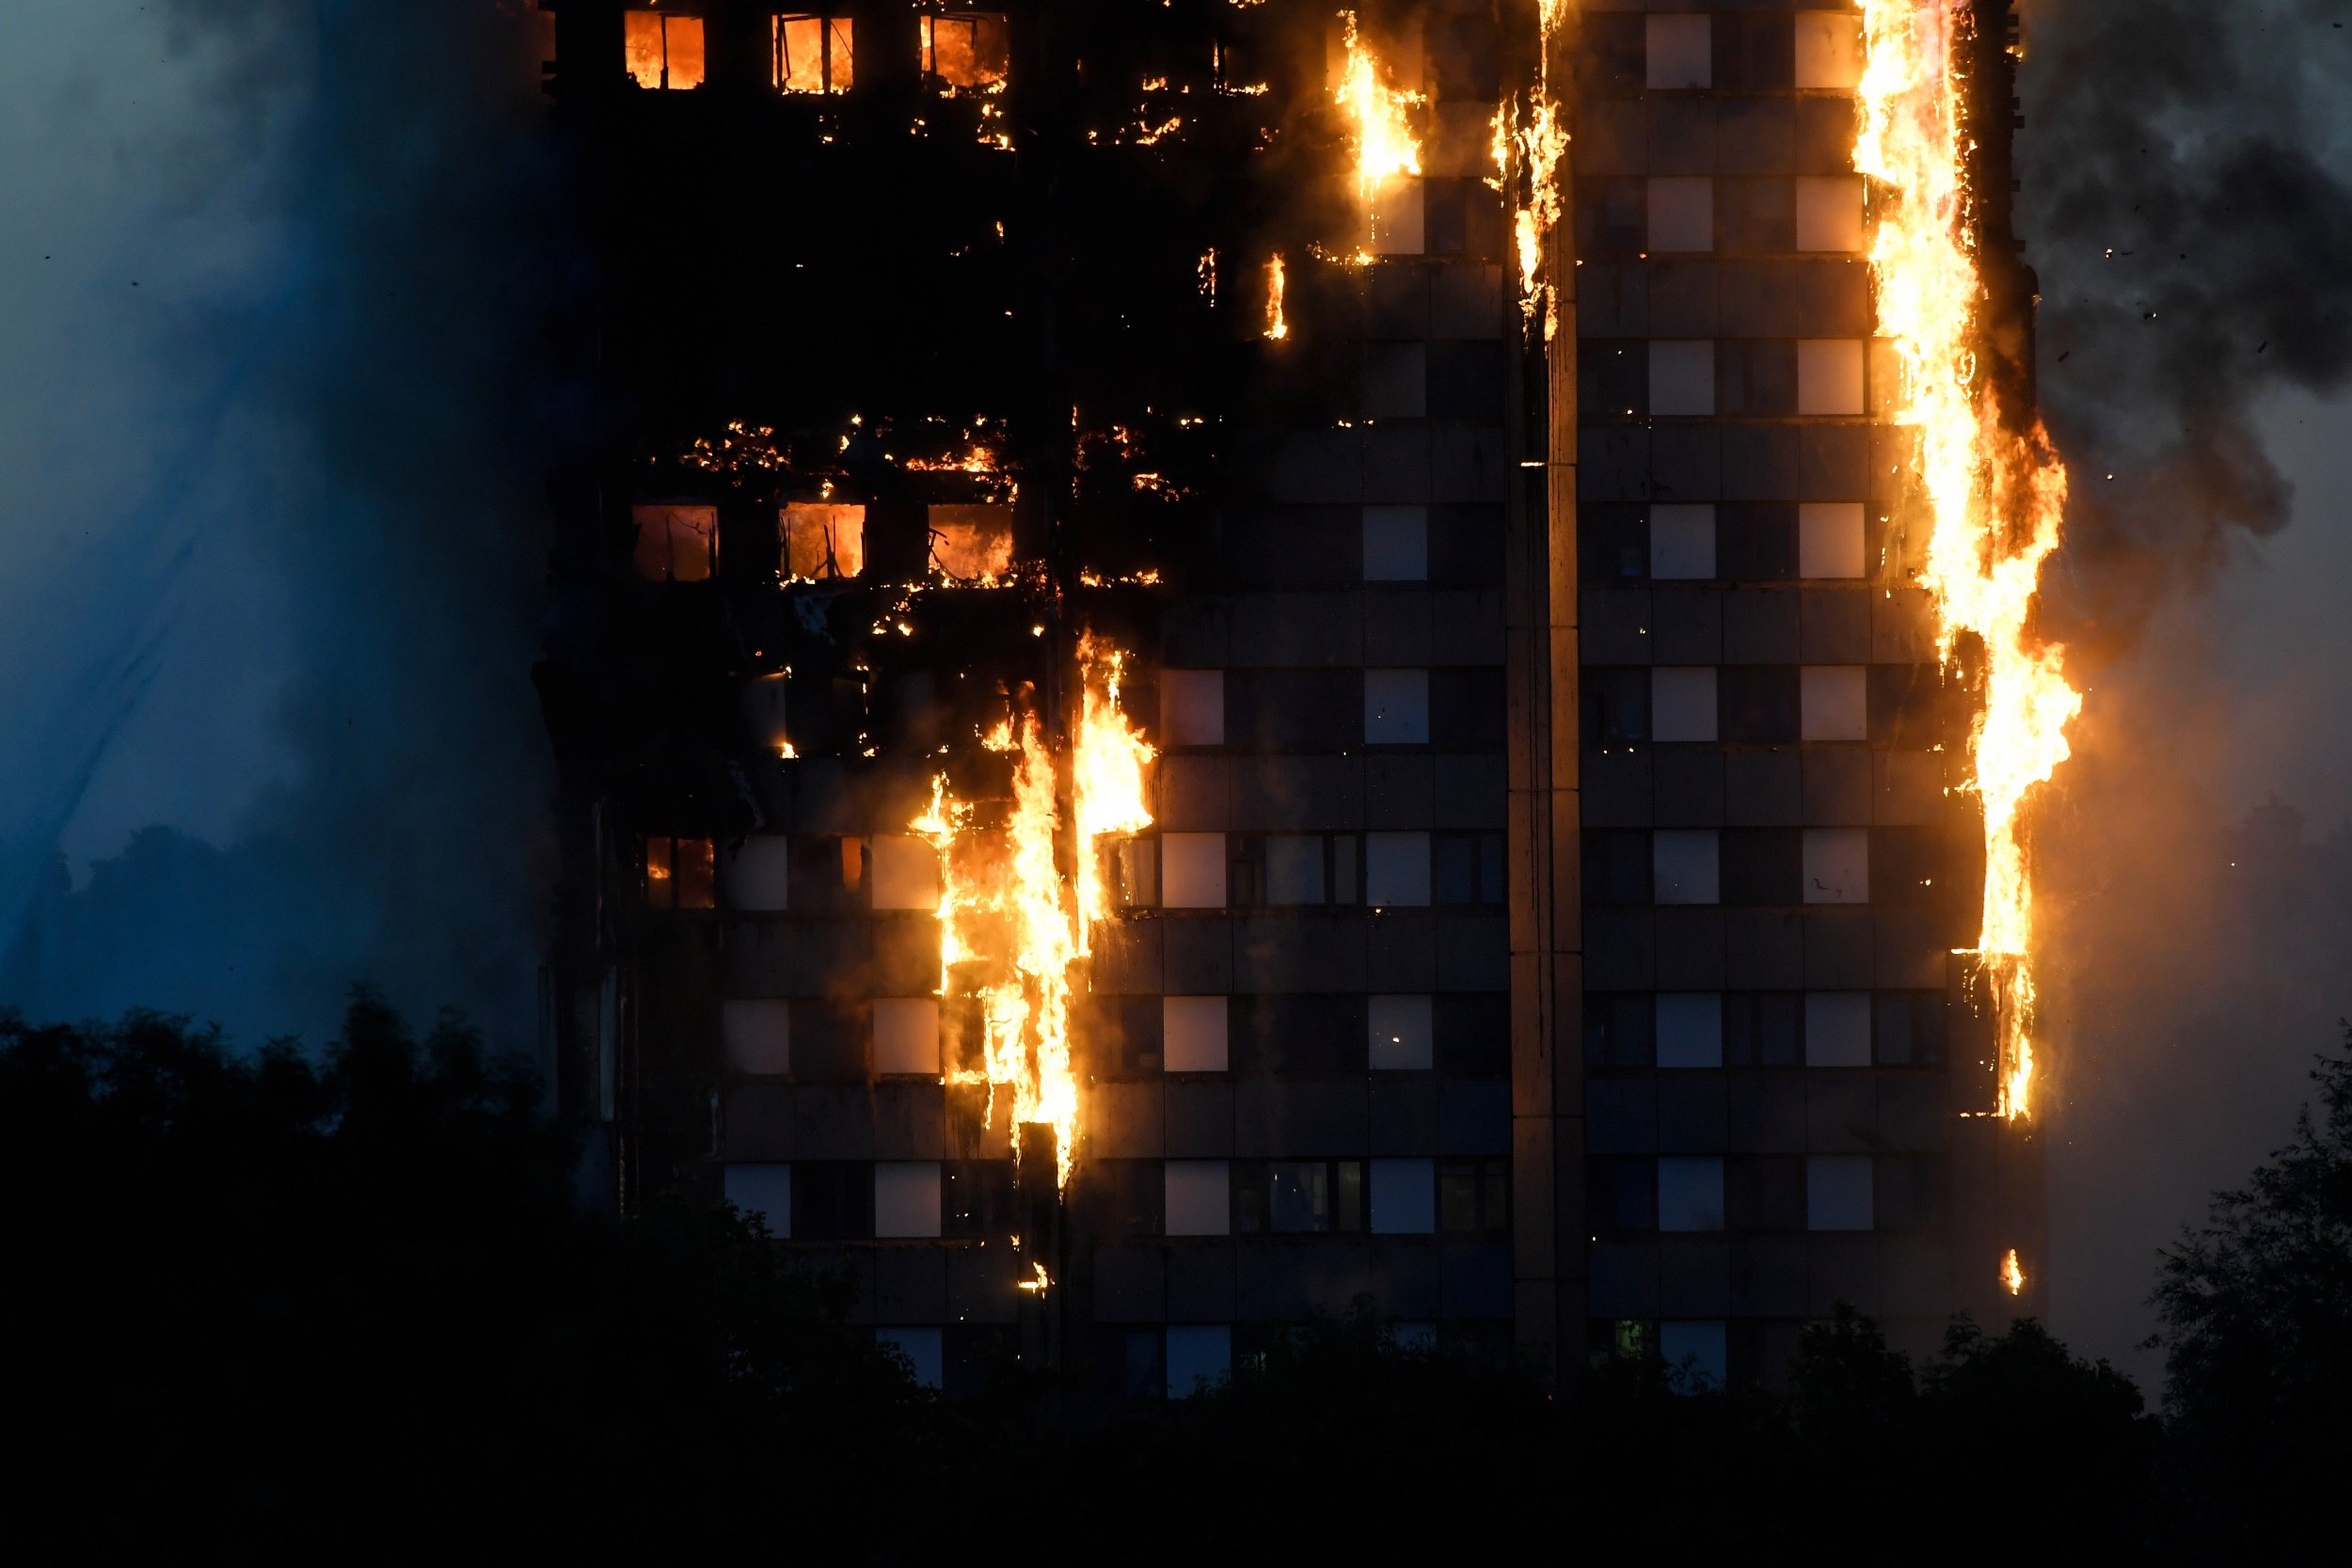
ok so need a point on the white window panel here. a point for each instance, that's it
(1681, 214)
(1200, 1356)
(752, 875)
(1192, 707)
(1199, 1197)
(1193, 1034)
(1691, 1193)
(1396, 869)
(1396, 380)
(1829, 539)
(1192, 871)
(1682, 703)
(1694, 1353)
(1293, 868)
(1681, 542)
(1689, 1029)
(1836, 866)
(1682, 375)
(1837, 1028)
(1829, 51)
(1396, 543)
(1684, 865)
(1829, 211)
(1396, 707)
(925, 1350)
(1838, 1192)
(906, 1035)
(1404, 1197)
(906, 1198)
(1829, 375)
(766, 1191)
(906, 872)
(1681, 52)
(1403, 1037)
(757, 1034)
(1833, 702)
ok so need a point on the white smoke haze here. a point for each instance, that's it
(270, 462)
(2187, 204)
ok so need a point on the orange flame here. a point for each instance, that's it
(1385, 144)
(1012, 927)
(1276, 326)
(1996, 497)
(2013, 1274)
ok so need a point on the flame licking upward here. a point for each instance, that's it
(1385, 144)
(1995, 496)
(1011, 927)
(2013, 1274)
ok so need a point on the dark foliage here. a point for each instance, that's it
(2257, 1304)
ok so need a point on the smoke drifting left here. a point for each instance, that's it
(283, 595)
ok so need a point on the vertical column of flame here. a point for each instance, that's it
(1995, 497)
(1011, 927)
(1382, 114)
(1106, 765)
(1541, 139)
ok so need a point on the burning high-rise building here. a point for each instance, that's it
(1216, 657)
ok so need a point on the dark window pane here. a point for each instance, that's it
(1347, 1194)
(1472, 1034)
(1756, 542)
(1756, 375)
(1454, 868)
(1764, 1193)
(977, 1197)
(1763, 1029)
(1613, 543)
(1621, 1196)
(1759, 704)
(1617, 868)
(1620, 1029)
(1762, 867)
(1906, 864)
(1616, 705)
(1903, 704)
(1458, 1195)
(1611, 377)
(1299, 1196)
(833, 1200)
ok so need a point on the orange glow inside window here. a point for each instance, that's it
(813, 55)
(971, 544)
(823, 540)
(968, 51)
(681, 874)
(676, 544)
(662, 51)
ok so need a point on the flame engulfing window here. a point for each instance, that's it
(971, 544)
(969, 51)
(676, 544)
(680, 873)
(823, 540)
(812, 55)
(663, 51)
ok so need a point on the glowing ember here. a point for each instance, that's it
(1385, 144)
(1996, 497)
(2013, 1274)
(1276, 326)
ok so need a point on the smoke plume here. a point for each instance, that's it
(2187, 206)
(276, 500)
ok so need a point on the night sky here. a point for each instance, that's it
(268, 481)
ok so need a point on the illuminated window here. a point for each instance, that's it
(971, 544)
(1192, 1033)
(812, 55)
(676, 544)
(969, 51)
(680, 873)
(822, 541)
(663, 51)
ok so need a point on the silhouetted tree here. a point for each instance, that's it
(2257, 1307)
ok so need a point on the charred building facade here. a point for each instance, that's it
(1213, 656)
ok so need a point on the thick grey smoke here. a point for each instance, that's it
(273, 486)
(2187, 204)
(2187, 210)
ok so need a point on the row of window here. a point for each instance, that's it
(1761, 867)
(822, 541)
(832, 1200)
(1728, 377)
(1333, 709)
(1813, 51)
(1764, 1029)
(1751, 542)
(770, 873)
(1702, 1193)
(1761, 705)
(825, 1040)
(1625, 217)
(962, 51)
